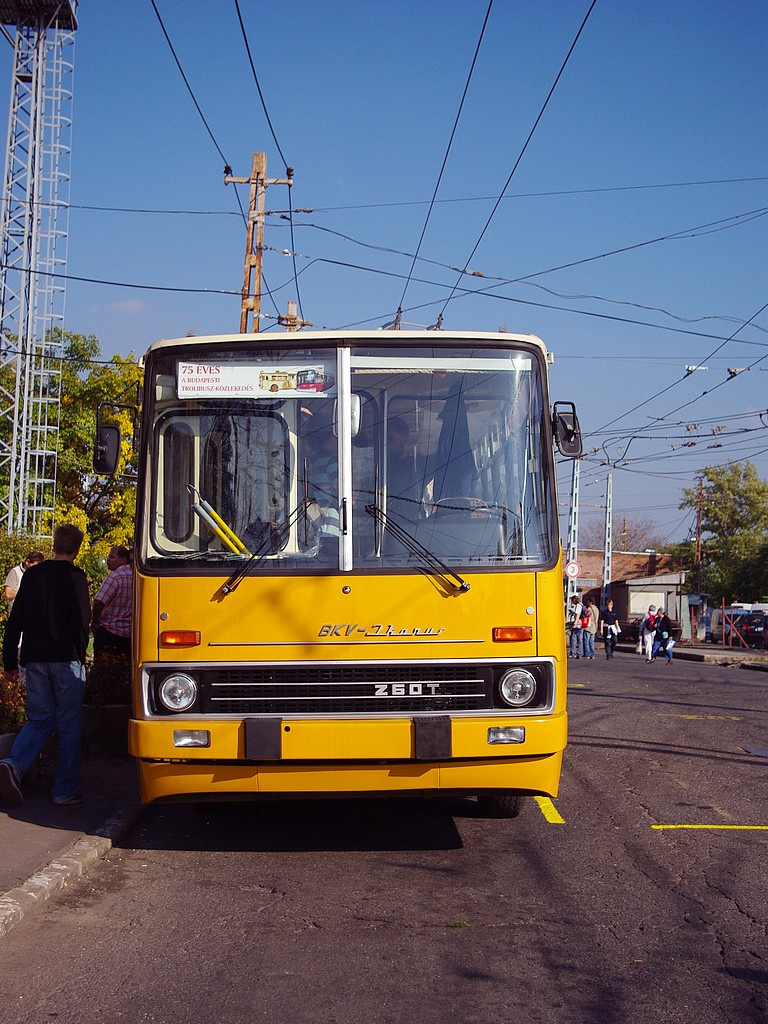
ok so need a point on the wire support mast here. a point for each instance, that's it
(33, 246)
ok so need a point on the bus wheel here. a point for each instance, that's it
(499, 804)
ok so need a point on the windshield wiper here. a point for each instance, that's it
(431, 562)
(201, 556)
(308, 508)
(208, 514)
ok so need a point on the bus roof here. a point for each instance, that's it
(300, 339)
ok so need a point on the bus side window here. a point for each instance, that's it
(178, 469)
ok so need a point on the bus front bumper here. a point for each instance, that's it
(345, 756)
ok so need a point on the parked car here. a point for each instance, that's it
(737, 627)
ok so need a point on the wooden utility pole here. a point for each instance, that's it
(291, 321)
(254, 246)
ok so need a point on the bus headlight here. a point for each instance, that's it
(517, 687)
(178, 692)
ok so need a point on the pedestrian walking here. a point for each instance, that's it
(574, 627)
(589, 623)
(648, 631)
(51, 615)
(663, 637)
(610, 627)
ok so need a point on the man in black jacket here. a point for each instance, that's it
(51, 617)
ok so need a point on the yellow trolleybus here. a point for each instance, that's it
(353, 589)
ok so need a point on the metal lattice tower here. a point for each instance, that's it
(572, 586)
(33, 252)
(605, 591)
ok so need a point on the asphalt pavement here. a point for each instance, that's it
(45, 846)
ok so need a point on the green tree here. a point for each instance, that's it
(103, 507)
(734, 518)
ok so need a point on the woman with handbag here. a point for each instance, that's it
(663, 640)
(648, 631)
(589, 618)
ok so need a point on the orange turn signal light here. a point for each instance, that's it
(513, 634)
(180, 638)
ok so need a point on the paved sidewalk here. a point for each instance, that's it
(44, 846)
(713, 654)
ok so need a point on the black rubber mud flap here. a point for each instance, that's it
(263, 739)
(432, 738)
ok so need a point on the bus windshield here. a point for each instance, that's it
(356, 457)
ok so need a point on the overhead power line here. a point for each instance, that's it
(258, 87)
(186, 83)
(540, 195)
(447, 151)
(414, 202)
(288, 170)
(735, 220)
(675, 383)
(227, 168)
(525, 147)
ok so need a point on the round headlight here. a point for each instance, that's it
(517, 687)
(178, 692)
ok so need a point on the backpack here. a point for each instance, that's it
(585, 620)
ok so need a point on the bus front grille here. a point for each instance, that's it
(347, 690)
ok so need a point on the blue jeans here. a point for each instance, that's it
(589, 643)
(661, 645)
(55, 693)
(576, 642)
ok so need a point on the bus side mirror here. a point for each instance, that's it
(354, 415)
(106, 451)
(565, 427)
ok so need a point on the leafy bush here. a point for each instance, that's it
(12, 696)
(108, 680)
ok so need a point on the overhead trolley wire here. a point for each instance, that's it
(288, 170)
(186, 83)
(540, 195)
(522, 151)
(415, 202)
(258, 87)
(207, 126)
(447, 151)
(702, 362)
(735, 220)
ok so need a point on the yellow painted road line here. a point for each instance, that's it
(704, 718)
(549, 811)
(758, 828)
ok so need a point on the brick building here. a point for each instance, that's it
(639, 579)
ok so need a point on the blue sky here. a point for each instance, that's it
(657, 128)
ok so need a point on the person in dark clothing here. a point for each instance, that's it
(610, 628)
(661, 641)
(51, 616)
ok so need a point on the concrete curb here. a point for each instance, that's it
(740, 659)
(70, 865)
